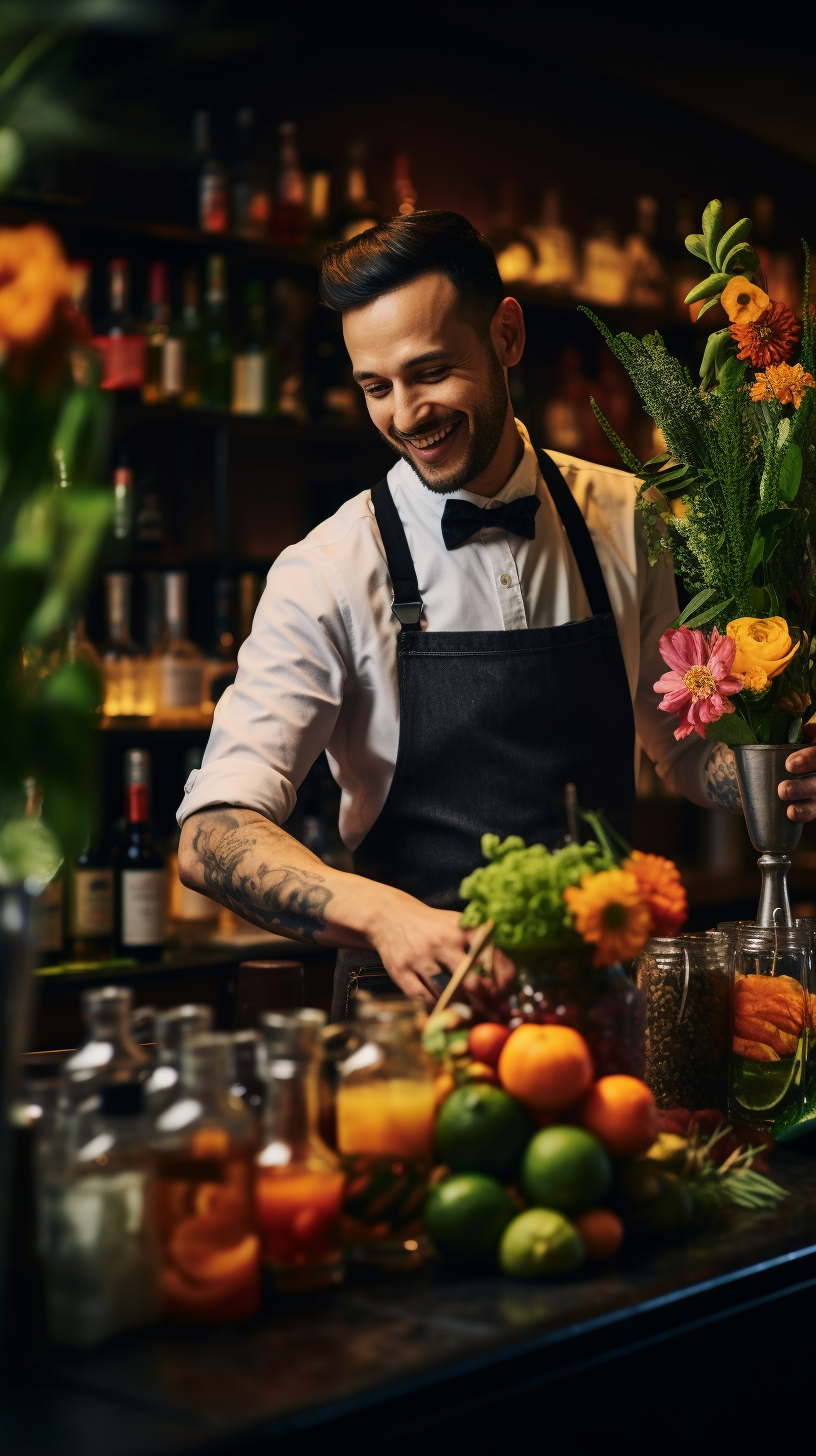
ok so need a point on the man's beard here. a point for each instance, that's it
(488, 423)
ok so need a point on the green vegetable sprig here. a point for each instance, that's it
(522, 890)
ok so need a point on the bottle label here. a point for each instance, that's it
(143, 907)
(92, 908)
(123, 360)
(249, 384)
(172, 380)
(180, 683)
(49, 930)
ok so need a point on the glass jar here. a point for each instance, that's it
(299, 1181)
(108, 1054)
(99, 1226)
(172, 1028)
(684, 981)
(771, 1014)
(385, 1132)
(205, 1141)
(555, 989)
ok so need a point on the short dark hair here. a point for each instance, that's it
(401, 249)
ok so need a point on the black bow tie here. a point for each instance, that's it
(461, 520)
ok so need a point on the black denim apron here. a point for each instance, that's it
(493, 725)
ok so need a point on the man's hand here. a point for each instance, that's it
(416, 942)
(800, 793)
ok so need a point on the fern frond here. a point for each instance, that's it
(630, 461)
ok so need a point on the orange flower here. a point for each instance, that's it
(762, 643)
(35, 284)
(743, 301)
(660, 885)
(785, 382)
(611, 914)
(769, 339)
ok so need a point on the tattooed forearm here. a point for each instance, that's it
(721, 782)
(287, 897)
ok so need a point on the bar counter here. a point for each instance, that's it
(395, 1362)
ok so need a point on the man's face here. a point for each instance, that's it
(434, 388)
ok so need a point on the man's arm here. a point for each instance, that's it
(252, 866)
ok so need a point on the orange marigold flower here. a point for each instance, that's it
(661, 887)
(768, 339)
(785, 382)
(610, 913)
(35, 284)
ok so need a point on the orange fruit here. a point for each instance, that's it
(601, 1231)
(621, 1112)
(545, 1067)
(481, 1072)
(486, 1041)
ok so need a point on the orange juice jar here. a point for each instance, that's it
(205, 1142)
(385, 1131)
(299, 1182)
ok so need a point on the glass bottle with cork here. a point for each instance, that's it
(89, 919)
(127, 684)
(300, 1182)
(205, 1142)
(120, 345)
(181, 664)
(141, 873)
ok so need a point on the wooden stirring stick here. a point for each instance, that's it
(480, 939)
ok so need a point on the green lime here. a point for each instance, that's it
(466, 1215)
(540, 1243)
(794, 1122)
(760, 1086)
(565, 1168)
(481, 1129)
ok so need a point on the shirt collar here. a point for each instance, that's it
(525, 480)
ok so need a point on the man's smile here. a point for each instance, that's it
(432, 446)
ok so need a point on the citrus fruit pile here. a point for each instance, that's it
(543, 1166)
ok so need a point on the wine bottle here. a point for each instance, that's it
(142, 879)
(89, 906)
(156, 329)
(120, 345)
(213, 188)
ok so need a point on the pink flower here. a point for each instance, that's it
(700, 676)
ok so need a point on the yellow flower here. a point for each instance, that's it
(763, 645)
(785, 382)
(611, 913)
(755, 680)
(679, 508)
(743, 301)
(34, 280)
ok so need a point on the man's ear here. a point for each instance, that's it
(508, 333)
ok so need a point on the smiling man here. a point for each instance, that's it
(464, 639)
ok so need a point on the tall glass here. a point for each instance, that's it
(770, 1024)
(205, 1141)
(684, 979)
(385, 1131)
(300, 1183)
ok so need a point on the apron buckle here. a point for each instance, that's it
(407, 613)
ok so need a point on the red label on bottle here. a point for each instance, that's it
(137, 804)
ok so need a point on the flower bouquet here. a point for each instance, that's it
(564, 920)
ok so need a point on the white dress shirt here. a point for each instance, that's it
(319, 669)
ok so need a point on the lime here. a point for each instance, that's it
(481, 1129)
(466, 1215)
(760, 1086)
(540, 1243)
(565, 1168)
(794, 1122)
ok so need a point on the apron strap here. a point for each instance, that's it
(583, 548)
(407, 603)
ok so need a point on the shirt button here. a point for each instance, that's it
(505, 579)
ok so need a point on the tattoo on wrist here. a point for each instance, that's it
(722, 785)
(287, 896)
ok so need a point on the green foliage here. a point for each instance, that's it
(522, 889)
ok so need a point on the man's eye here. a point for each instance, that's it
(376, 391)
(431, 375)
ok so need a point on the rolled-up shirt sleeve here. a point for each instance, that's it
(279, 715)
(682, 764)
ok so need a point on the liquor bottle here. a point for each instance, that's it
(255, 379)
(107, 1054)
(193, 916)
(516, 255)
(299, 1183)
(89, 885)
(172, 374)
(172, 1028)
(289, 221)
(647, 278)
(141, 874)
(213, 186)
(181, 663)
(604, 271)
(222, 659)
(101, 1250)
(192, 340)
(251, 195)
(557, 265)
(48, 916)
(205, 1141)
(216, 373)
(318, 202)
(156, 329)
(120, 345)
(405, 197)
(358, 211)
(123, 510)
(127, 689)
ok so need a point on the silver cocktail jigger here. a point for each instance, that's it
(760, 770)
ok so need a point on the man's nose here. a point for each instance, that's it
(410, 413)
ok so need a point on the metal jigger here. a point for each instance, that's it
(760, 770)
